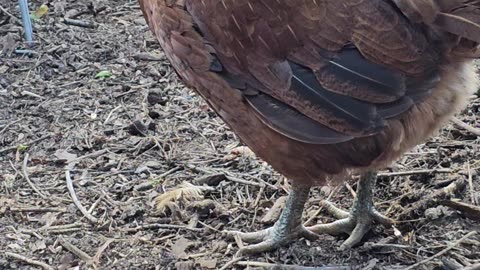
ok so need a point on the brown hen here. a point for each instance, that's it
(324, 88)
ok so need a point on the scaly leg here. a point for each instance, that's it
(359, 221)
(288, 228)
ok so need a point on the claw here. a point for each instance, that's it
(361, 217)
(356, 236)
(271, 238)
(356, 224)
(251, 238)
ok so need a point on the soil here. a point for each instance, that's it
(98, 104)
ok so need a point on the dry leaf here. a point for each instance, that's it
(65, 156)
(185, 192)
(5, 204)
(178, 249)
(185, 265)
(207, 263)
(37, 245)
(8, 44)
(4, 69)
(274, 213)
(241, 151)
(397, 232)
(408, 238)
(48, 219)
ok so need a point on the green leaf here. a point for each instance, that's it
(22, 147)
(103, 74)
(34, 17)
(39, 13)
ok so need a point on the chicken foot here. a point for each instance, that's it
(359, 220)
(287, 229)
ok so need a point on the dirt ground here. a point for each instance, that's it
(99, 105)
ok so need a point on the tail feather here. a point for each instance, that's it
(463, 21)
(458, 17)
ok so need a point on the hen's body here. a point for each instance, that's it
(322, 88)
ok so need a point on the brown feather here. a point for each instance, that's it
(321, 88)
(458, 17)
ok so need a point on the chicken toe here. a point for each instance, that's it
(359, 220)
(271, 238)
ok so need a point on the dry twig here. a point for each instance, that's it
(241, 181)
(79, 23)
(37, 209)
(230, 263)
(448, 248)
(63, 228)
(433, 199)
(9, 125)
(12, 148)
(29, 261)
(101, 249)
(471, 211)
(416, 172)
(25, 175)
(470, 183)
(468, 128)
(77, 203)
(290, 267)
(162, 226)
(320, 209)
(472, 267)
(17, 20)
(80, 253)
